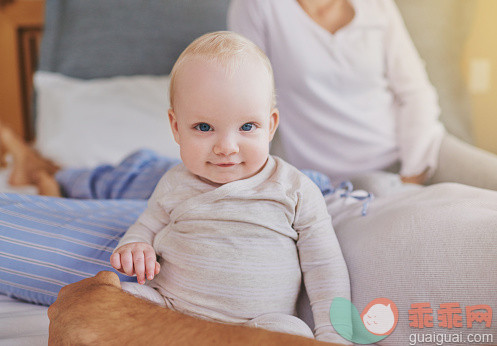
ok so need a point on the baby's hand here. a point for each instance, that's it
(136, 258)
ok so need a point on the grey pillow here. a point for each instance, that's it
(104, 38)
(431, 245)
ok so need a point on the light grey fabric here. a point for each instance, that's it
(104, 38)
(462, 163)
(434, 245)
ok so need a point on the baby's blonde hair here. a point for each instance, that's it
(226, 48)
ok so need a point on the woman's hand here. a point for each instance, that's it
(136, 258)
(415, 179)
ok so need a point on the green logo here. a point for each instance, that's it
(377, 321)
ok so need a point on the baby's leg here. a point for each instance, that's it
(282, 323)
(143, 291)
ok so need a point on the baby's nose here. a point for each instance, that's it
(226, 146)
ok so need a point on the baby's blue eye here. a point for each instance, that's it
(247, 127)
(203, 127)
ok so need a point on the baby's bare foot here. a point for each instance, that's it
(27, 161)
(46, 184)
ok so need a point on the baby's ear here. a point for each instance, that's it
(174, 124)
(274, 120)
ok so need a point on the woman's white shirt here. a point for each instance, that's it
(351, 102)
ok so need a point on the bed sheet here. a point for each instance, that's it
(22, 323)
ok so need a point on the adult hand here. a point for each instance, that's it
(96, 311)
(415, 179)
(74, 304)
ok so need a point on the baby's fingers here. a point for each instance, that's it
(150, 261)
(157, 268)
(127, 262)
(115, 260)
(139, 263)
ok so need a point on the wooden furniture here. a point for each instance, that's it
(21, 25)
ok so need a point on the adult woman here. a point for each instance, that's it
(353, 92)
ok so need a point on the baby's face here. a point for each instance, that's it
(223, 123)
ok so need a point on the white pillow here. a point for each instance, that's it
(83, 123)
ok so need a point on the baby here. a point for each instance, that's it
(234, 228)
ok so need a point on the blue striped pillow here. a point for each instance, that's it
(47, 243)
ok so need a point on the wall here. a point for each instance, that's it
(456, 38)
(479, 65)
(439, 29)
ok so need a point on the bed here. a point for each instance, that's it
(93, 92)
(72, 54)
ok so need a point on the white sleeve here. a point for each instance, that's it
(323, 266)
(246, 17)
(151, 221)
(419, 133)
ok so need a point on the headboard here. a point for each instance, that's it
(104, 38)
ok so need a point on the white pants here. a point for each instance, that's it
(275, 322)
(458, 162)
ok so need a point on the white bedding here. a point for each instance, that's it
(22, 323)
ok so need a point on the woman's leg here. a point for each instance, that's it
(463, 163)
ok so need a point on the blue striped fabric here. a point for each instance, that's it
(47, 243)
(134, 178)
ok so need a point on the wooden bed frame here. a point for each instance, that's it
(21, 27)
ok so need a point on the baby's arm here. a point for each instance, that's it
(134, 254)
(323, 266)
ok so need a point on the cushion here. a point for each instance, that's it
(82, 123)
(432, 245)
(47, 243)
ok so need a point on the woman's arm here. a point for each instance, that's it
(419, 133)
(96, 311)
